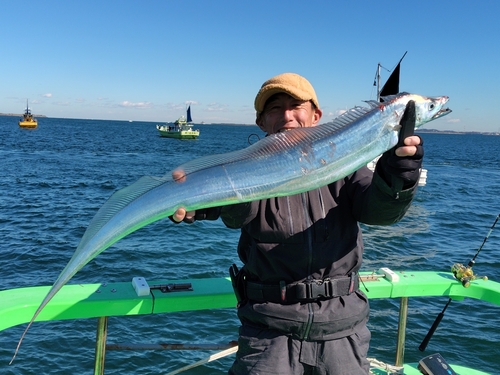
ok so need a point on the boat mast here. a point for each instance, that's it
(378, 81)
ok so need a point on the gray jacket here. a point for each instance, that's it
(313, 235)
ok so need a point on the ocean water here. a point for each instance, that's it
(55, 178)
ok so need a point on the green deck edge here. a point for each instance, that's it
(81, 301)
(411, 369)
(118, 299)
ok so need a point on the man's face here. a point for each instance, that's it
(282, 112)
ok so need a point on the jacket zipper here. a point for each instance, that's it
(305, 205)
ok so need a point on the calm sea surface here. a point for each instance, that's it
(55, 178)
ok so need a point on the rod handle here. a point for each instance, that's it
(407, 123)
(427, 338)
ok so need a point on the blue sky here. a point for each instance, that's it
(145, 60)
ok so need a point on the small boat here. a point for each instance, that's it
(28, 121)
(182, 128)
(391, 87)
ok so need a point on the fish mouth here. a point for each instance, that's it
(442, 112)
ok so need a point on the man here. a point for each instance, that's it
(300, 306)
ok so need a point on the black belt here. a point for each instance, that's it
(307, 291)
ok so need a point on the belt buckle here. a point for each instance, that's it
(316, 289)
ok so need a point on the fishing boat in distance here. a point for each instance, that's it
(391, 87)
(182, 128)
(28, 121)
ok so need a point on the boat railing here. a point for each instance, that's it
(141, 297)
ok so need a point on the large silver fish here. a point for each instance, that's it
(281, 164)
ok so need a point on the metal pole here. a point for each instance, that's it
(378, 82)
(167, 346)
(100, 345)
(400, 346)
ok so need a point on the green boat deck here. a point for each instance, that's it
(82, 301)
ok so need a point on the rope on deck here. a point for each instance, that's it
(374, 363)
(390, 369)
(210, 358)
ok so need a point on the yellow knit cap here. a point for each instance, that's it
(290, 83)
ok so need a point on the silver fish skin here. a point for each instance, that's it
(281, 164)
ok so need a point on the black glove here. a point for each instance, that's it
(406, 168)
(212, 213)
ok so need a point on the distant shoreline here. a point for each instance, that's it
(425, 131)
(18, 115)
(435, 131)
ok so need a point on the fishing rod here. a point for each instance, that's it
(465, 275)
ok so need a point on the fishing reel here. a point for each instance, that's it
(465, 274)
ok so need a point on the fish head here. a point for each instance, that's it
(428, 108)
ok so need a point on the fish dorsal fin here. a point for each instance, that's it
(389, 98)
(275, 142)
(261, 149)
(348, 117)
(373, 103)
(118, 201)
(210, 161)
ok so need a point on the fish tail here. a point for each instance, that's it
(22, 337)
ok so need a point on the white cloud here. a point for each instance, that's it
(216, 107)
(62, 104)
(453, 120)
(47, 95)
(128, 104)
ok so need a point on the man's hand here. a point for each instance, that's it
(409, 149)
(190, 217)
(179, 176)
(403, 162)
(182, 215)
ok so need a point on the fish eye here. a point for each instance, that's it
(431, 106)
